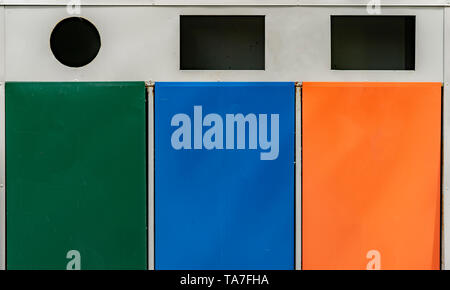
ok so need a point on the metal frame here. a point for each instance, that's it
(298, 176)
(2, 180)
(445, 166)
(384, 3)
(150, 87)
(2, 144)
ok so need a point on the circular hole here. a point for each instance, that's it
(75, 42)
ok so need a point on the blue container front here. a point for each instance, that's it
(224, 176)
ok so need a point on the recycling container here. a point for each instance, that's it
(93, 160)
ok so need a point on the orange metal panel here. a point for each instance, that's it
(371, 175)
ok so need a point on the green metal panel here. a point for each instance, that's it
(76, 175)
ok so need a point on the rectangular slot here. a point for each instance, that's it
(373, 42)
(222, 42)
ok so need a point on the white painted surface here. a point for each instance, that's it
(2, 146)
(383, 2)
(2, 180)
(298, 178)
(232, 2)
(445, 215)
(158, 2)
(142, 43)
(151, 179)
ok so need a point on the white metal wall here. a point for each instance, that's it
(142, 43)
(234, 2)
(2, 143)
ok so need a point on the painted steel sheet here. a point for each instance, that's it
(76, 184)
(224, 175)
(371, 175)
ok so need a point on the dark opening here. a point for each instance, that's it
(75, 42)
(373, 42)
(222, 42)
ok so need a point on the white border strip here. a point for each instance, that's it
(298, 176)
(2, 180)
(150, 87)
(2, 146)
(445, 182)
(384, 3)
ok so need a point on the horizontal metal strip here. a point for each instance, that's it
(431, 3)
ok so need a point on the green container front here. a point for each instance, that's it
(76, 175)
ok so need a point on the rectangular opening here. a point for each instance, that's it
(373, 42)
(222, 42)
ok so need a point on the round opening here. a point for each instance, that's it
(75, 42)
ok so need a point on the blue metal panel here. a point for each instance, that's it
(222, 203)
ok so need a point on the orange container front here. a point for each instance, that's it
(371, 175)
